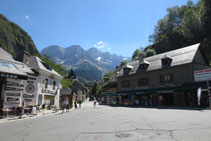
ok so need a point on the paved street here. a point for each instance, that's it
(112, 124)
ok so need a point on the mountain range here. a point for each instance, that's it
(89, 65)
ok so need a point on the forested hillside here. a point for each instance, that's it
(183, 26)
(14, 39)
(180, 27)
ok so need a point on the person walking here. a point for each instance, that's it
(75, 104)
(63, 106)
(67, 106)
(79, 103)
(160, 99)
(95, 103)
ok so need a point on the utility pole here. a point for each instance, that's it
(209, 96)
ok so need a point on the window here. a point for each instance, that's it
(126, 83)
(54, 85)
(143, 81)
(8, 65)
(166, 61)
(143, 66)
(166, 78)
(126, 71)
(46, 83)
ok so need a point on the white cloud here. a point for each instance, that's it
(109, 48)
(27, 17)
(100, 44)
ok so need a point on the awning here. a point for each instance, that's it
(184, 87)
(110, 94)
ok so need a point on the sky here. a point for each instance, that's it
(115, 26)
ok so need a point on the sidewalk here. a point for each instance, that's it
(85, 104)
(30, 116)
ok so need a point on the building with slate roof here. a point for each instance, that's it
(13, 82)
(48, 82)
(169, 75)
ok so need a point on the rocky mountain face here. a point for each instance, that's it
(14, 39)
(88, 65)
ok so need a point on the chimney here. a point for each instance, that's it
(141, 58)
(23, 56)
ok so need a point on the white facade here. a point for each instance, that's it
(48, 83)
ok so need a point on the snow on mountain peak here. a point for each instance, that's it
(99, 58)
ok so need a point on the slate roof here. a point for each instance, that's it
(16, 68)
(37, 64)
(179, 57)
(66, 92)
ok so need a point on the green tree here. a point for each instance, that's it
(136, 54)
(123, 63)
(150, 52)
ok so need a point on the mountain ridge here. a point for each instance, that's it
(92, 62)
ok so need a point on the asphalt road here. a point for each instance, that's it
(105, 123)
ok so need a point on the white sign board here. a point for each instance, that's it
(202, 75)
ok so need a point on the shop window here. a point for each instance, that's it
(166, 78)
(46, 83)
(54, 85)
(143, 81)
(126, 83)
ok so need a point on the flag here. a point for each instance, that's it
(199, 95)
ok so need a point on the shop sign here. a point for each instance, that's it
(12, 89)
(8, 83)
(49, 91)
(13, 76)
(7, 75)
(202, 75)
(13, 94)
(28, 96)
(12, 99)
(12, 102)
(28, 100)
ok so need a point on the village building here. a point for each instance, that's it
(109, 89)
(169, 75)
(47, 83)
(27, 82)
(67, 95)
(13, 79)
(79, 89)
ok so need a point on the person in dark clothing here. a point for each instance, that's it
(75, 103)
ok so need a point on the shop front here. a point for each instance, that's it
(11, 87)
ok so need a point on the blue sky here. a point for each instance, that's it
(116, 26)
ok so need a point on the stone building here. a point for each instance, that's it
(169, 75)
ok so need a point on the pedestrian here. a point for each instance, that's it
(79, 103)
(67, 106)
(95, 102)
(63, 106)
(160, 99)
(75, 103)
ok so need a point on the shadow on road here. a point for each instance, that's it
(163, 107)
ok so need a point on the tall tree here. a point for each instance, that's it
(136, 54)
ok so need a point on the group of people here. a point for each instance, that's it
(65, 105)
